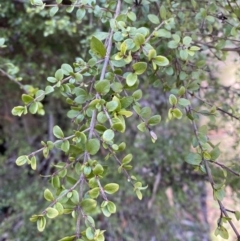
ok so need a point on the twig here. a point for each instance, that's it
(39, 150)
(104, 196)
(155, 187)
(209, 174)
(234, 49)
(226, 168)
(61, 196)
(218, 108)
(93, 119)
(62, 81)
(106, 113)
(13, 79)
(150, 36)
(120, 163)
(230, 211)
(81, 178)
(65, 138)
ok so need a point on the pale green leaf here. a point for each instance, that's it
(183, 102)
(22, 160)
(108, 135)
(131, 79)
(139, 67)
(93, 146)
(52, 212)
(193, 159)
(48, 195)
(153, 18)
(53, 11)
(111, 188)
(154, 120)
(80, 13)
(57, 132)
(41, 224)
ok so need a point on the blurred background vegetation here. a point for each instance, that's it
(175, 205)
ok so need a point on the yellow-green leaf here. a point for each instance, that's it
(52, 212)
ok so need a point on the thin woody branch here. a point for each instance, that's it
(209, 174)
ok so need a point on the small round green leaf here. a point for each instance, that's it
(70, 9)
(163, 12)
(172, 99)
(154, 120)
(161, 60)
(183, 102)
(18, 110)
(67, 69)
(106, 212)
(98, 170)
(94, 193)
(139, 68)
(33, 163)
(111, 207)
(52, 212)
(139, 194)
(48, 195)
(93, 146)
(22, 160)
(49, 89)
(52, 80)
(88, 205)
(127, 159)
(184, 54)
(177, 113)
(34, 218)
(65, 146)
(56, 182)
(112, 105)
(153, 18)
(59, 74)
(137, 95)
(102, 87)
(27, 99)
(90, 233)
(194, 48)
(40, 94)
(108, 135)
(75, 197)
(57, 132)
(111, 188)
(193, 159)
(172, 44)
(53, 11)
(142, 127)
(187, 40)
(80, 13)
(33, 108)
(41, 224)
(131, 79)
(59, 208)
(132, 16)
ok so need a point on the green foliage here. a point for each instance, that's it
(112, 56)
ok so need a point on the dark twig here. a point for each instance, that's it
(226, 168)
(209, 174)
(12, 79)
(218, 108)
